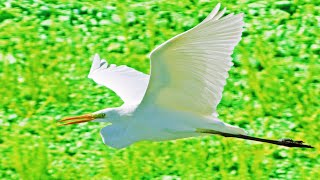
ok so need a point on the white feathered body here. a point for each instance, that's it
(154, 123)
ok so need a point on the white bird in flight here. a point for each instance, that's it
(179, 99)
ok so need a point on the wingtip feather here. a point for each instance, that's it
(95, 64)
(213, 13)
(220, 14)
(217, 6)
(96, 57)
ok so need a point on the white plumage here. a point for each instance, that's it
(128, 83)
(188, 73)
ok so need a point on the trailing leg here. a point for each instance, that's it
(281, 142)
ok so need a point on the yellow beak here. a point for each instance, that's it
(77, 119)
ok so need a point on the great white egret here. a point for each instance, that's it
(179, 99)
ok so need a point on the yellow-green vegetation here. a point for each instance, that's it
(45, 54)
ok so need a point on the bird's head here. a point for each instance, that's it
(105, 115)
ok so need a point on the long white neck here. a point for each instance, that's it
(114, 115)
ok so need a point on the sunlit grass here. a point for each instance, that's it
(45, 50)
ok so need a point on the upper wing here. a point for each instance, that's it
(189, 71)
(128, 83)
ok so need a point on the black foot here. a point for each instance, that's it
(292, 143)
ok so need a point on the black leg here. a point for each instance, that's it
(282, 142)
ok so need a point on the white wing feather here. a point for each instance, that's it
(189, 71)
(126, 82)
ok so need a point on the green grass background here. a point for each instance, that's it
(45, 55)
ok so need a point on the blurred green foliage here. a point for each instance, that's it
(45, 50)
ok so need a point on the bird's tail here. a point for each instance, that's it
(218, 125)
(234, 130)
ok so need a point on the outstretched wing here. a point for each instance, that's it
(126, 82)
(189, 71)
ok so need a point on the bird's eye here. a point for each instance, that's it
(102, 115)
